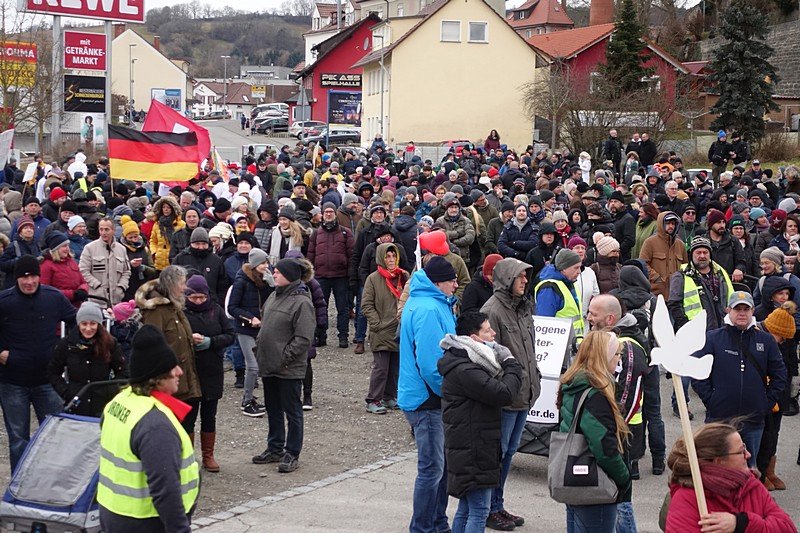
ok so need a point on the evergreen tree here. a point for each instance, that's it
(744, 77)
(624, 68)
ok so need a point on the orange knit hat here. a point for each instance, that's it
(781, 321)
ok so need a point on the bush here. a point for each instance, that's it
(774, 147)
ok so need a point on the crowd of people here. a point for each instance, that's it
(438, 268)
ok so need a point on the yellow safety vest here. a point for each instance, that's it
(123, 488)
(571, 308)
(636, 418)
(691, 294)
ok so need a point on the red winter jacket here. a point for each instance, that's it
(64, 276)
(330, 252)
(763, 514)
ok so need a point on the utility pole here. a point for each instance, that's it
(225, 83)
(130, 83)
(58, 86)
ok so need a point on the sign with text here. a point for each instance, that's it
(552, 341)
(84, 50)
(121, 10)
(340, 80)
(18, 64)
(84, 94)
(169, 97)
(258, 91)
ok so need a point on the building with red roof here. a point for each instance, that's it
(536, 17)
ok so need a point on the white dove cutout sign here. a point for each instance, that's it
(674, 353)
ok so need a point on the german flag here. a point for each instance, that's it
(139, 156)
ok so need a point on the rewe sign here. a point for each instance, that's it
(84, 50)
(122, 10)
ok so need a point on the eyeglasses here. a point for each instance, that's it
(743, 451)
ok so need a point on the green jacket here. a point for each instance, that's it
(643, 231)
(598, 426)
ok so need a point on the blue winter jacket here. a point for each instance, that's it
(29, 329)
(234, 264)
(548, 299)
(735, 386)
(427, 317)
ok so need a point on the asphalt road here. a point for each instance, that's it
(229, 138)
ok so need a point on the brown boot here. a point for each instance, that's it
(207, 441)
(359, 348)
(770, 475)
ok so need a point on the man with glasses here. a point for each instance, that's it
(748, 375)
(689, 227)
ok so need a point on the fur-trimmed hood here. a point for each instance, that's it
(172, 203)
(308, 268)
(148, 297)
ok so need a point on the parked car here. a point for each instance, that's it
(272, 125)
(336, 136)
(695, 171)
(258, 149)
(304, 127)
(217, 115)
(275, 106)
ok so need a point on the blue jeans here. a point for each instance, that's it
(16, 402)
(430, 487)
(626, 521)
(341, 294)
(751, 435)
(361, 320)
(511, 425)
(651, 414)
(472, 512)
(685, 381)
(592, 518)
(282, 399)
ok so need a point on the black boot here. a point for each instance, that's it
(239, 378)
(793, 408)
(635, 470)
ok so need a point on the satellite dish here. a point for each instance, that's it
(366, 43)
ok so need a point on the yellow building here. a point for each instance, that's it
(456, 72)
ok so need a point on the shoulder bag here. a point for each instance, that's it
(573, 476)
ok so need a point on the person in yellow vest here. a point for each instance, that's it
(149, 478)
(555, 294)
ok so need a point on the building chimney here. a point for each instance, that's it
(601, 12)
(157, 42)
(119, 29)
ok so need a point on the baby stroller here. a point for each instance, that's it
(54, 488)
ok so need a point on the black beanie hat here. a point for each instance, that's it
(27, 265)
(151, 356)
(291, 269)
(222, 205)
(439, 269)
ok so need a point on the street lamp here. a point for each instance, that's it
(225, 83)
(383, 69)
(130, 82)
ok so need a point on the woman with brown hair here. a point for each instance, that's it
(88, 353)
(604, 428)
(736, 500)
(288, 235)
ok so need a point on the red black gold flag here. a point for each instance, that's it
(153, 156)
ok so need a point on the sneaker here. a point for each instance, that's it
(267, 457)
(308, 405)
(497, 522)
(253, 409)
(677, 413)
(289, 463)
(376, 408)
(516, 520)
(635, 470)
(658, 466)
(390, 404)
(343, 343)
(359, 348)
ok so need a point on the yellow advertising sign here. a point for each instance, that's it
(258, 91)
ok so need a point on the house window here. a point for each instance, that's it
(478, 32)
(528, 34)
(653, 83)
(539, 31)
(451, 31)
(594, 82)
(400, 9)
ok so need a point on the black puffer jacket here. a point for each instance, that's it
(472, 400)
(211, 323)
(208, 265)
(75, 354)
(248, 296)
(476, 293)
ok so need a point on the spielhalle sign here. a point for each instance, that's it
(340, 80)
(84, 50)
(121, 10)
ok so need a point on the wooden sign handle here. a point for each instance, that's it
(688, 438)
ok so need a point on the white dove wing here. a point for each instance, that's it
(662, 326)
(692, 335)
(693, 367)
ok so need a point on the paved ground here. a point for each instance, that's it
(377, 497)
(229, 138)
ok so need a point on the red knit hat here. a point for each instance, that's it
(57, 193)
(489, 263)
(714, 216)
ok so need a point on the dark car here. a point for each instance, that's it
(335, 137)
(272, 125)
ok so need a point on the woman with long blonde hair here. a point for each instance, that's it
(288, 235)
(601, 423)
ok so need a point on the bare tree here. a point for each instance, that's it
(548, 95)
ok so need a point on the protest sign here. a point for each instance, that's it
(552, 340)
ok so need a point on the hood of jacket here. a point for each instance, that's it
(308, 268)
(773, 284)
(476, 352)
(13, 201)
(404, 223)
(423, 287)
(660, 231)
(634, 288)
(627, 322)
(176, 209)
(578, 384)
(147, 297)
(380, 254)
(506, 271)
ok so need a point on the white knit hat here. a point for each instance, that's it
(605, 245)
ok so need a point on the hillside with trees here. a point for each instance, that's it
(200, 34)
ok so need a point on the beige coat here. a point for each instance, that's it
(106, 269)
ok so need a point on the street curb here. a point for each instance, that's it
(200, 523)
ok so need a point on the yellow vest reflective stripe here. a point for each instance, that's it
(637, 418)
(83, 184)
(691, 293)
(123, 488)
(571, 308)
